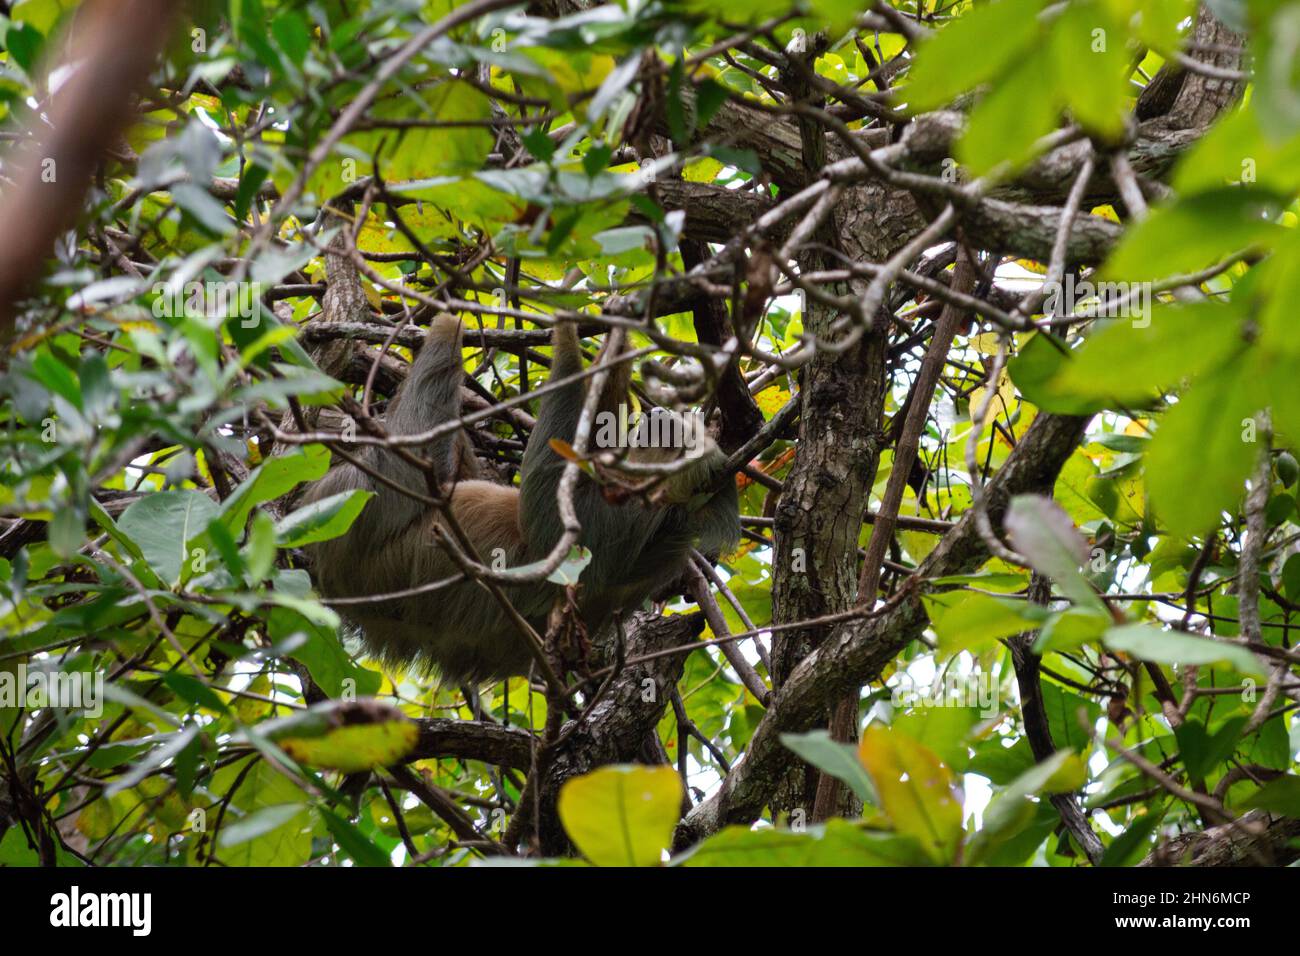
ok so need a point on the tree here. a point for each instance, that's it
(986, 303)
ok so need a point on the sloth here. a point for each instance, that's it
(639, 544)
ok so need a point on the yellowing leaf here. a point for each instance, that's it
(350, 736)
(1003, 402)
(916, 790)
(96, 819)
(355, 748)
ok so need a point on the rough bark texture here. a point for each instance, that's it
(819, 515)
(1256, 839)
(472, 740)
(615, 730)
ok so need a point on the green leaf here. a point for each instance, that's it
(161, 524)
(105, 521)
(24, 43)
(840, 760)
(259, 554)
(1088, 41)
(1236, 150)
(1200, 457)
(1291, 578)
(1071, 629)
(171, 748)
(1041, 530)
(970, 51)
(1132, 843)
(418, 152)
(969, 621)
(1034, 371)
(1069, 717)
(622, 815)
(322, 654)
(1012, 809)
(1280, 796)
(1001, 764)
(259, 823)
(66, 531)
(1158, 22)
(1194, 232)
(947, 729)
(1019, 111)
(1202, 752)
(191, 689)
(353, 842)
(271, 479)
(1279, 284)
(1275, 27)
(286, 844)
(1131, 361)
(838, 843)
(1172, 647)
(41, 14)
(292, 36)
(57, 377)
(321, 520)
(710, 95)
(226, 548)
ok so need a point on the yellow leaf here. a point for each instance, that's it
(565, 450)
(772, 400)
(355, 747)
(915, 789)
(622, 815)
(703, 170)
(1106, 212)
(1004, 402)
(96, 819)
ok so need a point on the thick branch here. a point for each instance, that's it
(472, 740)
(1254, 838)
